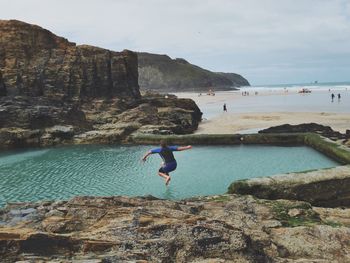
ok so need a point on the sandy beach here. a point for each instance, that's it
(248, 114)
(252, 122)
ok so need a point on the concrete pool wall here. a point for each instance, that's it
(329, 148)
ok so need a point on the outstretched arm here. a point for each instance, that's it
(144, 158)
(183, 148)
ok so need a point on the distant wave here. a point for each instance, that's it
(325, 85)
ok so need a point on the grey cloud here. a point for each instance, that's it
(250, 37)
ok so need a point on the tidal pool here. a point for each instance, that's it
(61, 173)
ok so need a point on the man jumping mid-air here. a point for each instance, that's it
(169, 162)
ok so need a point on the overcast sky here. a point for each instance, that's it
(267, 41)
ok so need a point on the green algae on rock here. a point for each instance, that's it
(336, 151)
(220, 139)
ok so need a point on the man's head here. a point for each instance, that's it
(163, 143)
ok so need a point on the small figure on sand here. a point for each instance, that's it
(225, 107)
(339, 97)
(211, 93)
(169, 163)
(332, 97)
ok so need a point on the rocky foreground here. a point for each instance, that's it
(227, 228)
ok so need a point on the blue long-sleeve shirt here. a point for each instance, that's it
(166, 153)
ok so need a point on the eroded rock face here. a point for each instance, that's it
(3, 90)
(27, 122)
(39, 112)
(224, 228)
(35, 62)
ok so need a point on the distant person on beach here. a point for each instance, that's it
(169, 162)
(332, 97)
(339, 97)
(225, 107)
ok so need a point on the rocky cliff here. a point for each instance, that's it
(160, 72)
(53, 91)
(226, 228)
(237, 79)
(35, 62)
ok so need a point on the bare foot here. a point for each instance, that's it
(167, 181)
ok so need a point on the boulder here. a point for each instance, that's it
(325, 131)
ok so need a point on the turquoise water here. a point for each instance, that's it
(61, 173)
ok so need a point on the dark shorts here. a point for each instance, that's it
(168, 167)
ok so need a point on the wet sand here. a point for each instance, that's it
(248, 114)
(252, 122)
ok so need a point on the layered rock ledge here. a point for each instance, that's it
(324, 187)
(225, 228)
(36, 122)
